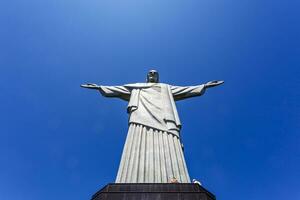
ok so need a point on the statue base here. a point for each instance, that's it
(149, 191)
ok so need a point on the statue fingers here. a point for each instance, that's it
(90, 86)
(219, 82)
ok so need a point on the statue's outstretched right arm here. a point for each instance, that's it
(110, 91)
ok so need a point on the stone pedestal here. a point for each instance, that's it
(153, 191)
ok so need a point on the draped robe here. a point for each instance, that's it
(153, 151)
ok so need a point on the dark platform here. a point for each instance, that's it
(153, 191)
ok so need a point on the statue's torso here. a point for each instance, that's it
(154, 104)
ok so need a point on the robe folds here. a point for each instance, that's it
(152, 152)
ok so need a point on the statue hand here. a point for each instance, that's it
(90, 86)
(213, 83)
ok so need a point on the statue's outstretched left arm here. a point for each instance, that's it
(183, 92)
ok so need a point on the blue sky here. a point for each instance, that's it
(59, 141)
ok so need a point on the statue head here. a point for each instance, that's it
(152, 76)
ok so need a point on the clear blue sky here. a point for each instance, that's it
(58, 141)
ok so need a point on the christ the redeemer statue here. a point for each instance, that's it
(153, 151)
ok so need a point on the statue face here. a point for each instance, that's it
(152, 76)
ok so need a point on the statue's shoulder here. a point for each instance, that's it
(136, 85)
(164, 84)
(144, 85)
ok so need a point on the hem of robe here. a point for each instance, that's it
(151, 156)
(175, 132)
